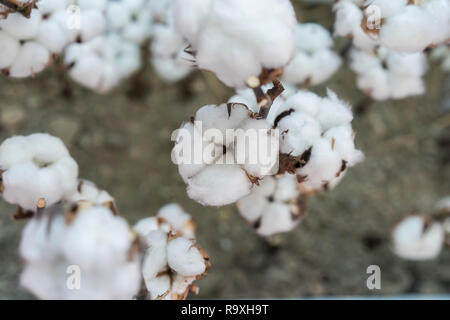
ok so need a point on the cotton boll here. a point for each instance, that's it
(21, 28)
(158, 287)
(387, 8)
(155, 258)
(10, 50)
(88, 191)
(412, 241)
(97, 225)
(32, 58)
(253, 43)
(273, 206)
(92, 24)
(94, 240)
(342, 140)
(184, 258)
(36, 167)
(179, 220)
(389, 74)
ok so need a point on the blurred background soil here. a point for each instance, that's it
(122, 142)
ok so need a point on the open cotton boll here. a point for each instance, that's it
(36, 167)
(93, 240)
(349, 16)
(388, 74)
(314, 61)
(171, 264)
(168, 53)
(184, 258)
(273, 207)
(259, 35)
(170, 217)
(316, 140)
(413, 241)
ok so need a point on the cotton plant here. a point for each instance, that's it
(401, 25)
(36, 171)
(419, 237)
(314, 61)
(240, 41)
(386, 74)
(172, 261)
(274, 206)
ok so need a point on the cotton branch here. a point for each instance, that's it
(265, 100)
(16, 6)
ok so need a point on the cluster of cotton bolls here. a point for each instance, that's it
(314, 61)
(388, 39)
(238, 40)
(316, 136)
(420, 237)
(401, 25)
(29, 44)
(80, 251)
(214, 157)
(273, 207)
(384, 74)
(172, 259)
(75, 246)
(170, 57)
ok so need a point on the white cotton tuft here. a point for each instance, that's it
(259, 34)
(184, 258)
(412, 241)
(36, 167)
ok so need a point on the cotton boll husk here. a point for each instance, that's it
(32, 58)
(322, 166)
(22, 28)
(184, 258)
(219, 184)
(10, 49)
(298, 132)
(276, 219)
(412, 242)
(97, 239)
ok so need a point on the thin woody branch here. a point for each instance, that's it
(18, 7)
